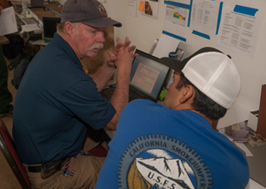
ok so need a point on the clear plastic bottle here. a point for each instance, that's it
(24, 8)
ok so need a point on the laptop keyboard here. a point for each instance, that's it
(133, 95)
(108, 92)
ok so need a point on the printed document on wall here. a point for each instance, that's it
(132, 7)
(204, 16)
(151, 9)
(240, 31)
(176, 20)
(187, 2)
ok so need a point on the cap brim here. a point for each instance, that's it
(173, 64)
(179, 65)
(102, 23)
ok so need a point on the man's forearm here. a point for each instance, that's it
(119, 98)
(123, 62)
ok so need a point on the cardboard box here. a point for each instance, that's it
(253, 120)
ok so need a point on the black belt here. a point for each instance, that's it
(35, 169)
(38, 168)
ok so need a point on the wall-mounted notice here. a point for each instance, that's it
(205, 17)
(132, 7)
(178, 1)
(151, 8)
(240, 30)
(175, 22)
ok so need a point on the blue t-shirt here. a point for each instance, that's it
(157, 147)
(55, 103)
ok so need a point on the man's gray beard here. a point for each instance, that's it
(98, 46)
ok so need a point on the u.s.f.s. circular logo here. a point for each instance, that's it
(154, 161)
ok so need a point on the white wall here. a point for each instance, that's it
(143, 30)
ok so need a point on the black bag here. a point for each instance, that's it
(14, 47)
(21, 62)
(20, 70)
(15, 62)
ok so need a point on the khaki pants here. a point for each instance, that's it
(86, 169)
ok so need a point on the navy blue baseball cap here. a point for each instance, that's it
(89, 12)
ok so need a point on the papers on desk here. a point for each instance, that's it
(165, 45)
(30, 27)
(40, 42)
(244, 148)
(8, 22)
(239, 144)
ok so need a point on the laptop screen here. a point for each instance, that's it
(36, 3)
(49, 27)
(148, 75)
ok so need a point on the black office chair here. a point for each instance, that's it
(10, 153)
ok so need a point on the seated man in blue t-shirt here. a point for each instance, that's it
(176, 145)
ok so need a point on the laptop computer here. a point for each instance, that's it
(36, 4)
(49, 27)
(147, 78)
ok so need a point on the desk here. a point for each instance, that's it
(257, 164)
(254, 185)
(36, 14)
(33, 21)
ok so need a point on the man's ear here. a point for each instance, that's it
(188, 93)
(69, 27)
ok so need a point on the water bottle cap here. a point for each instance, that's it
(172, 55)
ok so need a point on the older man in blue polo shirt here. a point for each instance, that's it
(57, 102)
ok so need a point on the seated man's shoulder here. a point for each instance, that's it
(139, 103)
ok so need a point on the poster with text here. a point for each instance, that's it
(176, 19)
(240, 31)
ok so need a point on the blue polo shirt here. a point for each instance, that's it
(54, 104)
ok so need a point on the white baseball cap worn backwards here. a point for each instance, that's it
(212, 72)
